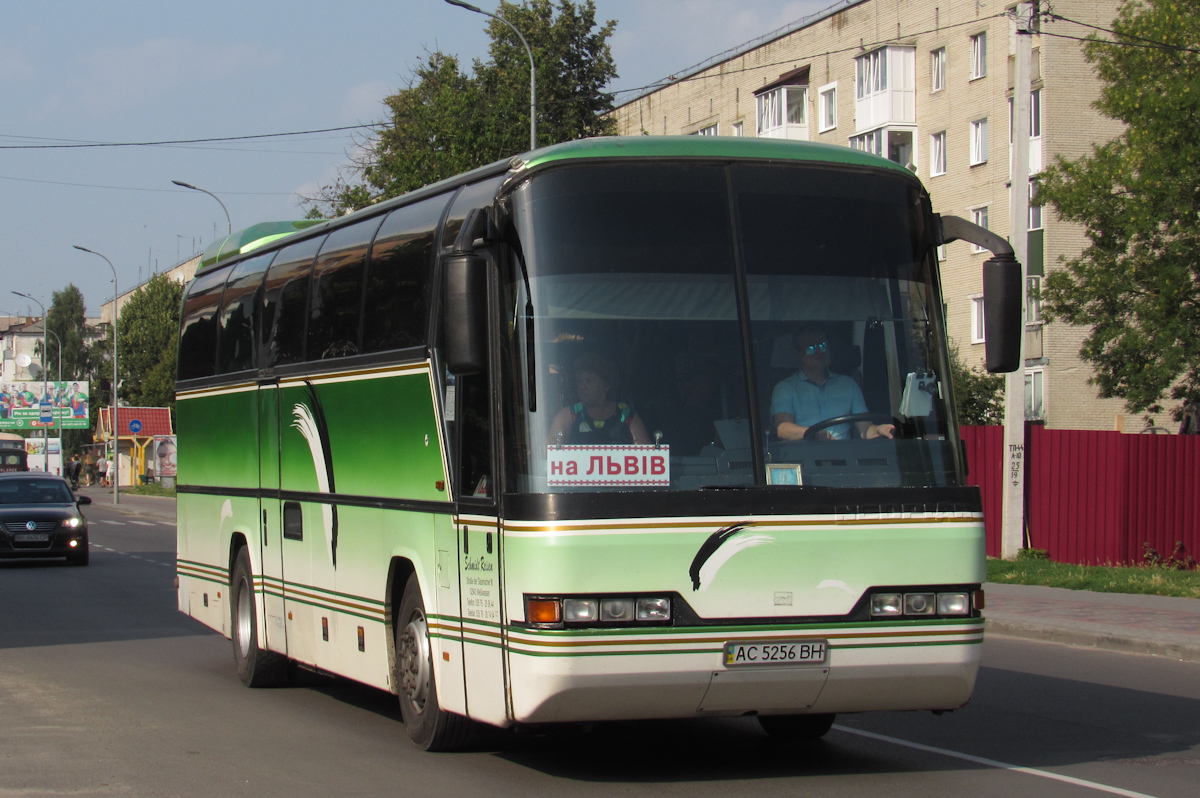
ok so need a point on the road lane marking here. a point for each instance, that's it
(134, 556)
(992, 763)
(143, 523)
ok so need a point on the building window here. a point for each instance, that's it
(1033, 299)
(980, 217)
(711, 130)
(1035, 114)
(871, 74)
(978, 56)
(827, 96)
(937, 154)
(1035, 396)
(868, 142)
(979, 142)
(781, 109)
(937, 63)
(739, 129)
(1035, 211)
(977, 328)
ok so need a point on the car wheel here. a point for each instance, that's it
(256, 666)
(429, 726)
(796, 727)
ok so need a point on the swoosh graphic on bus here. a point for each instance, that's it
(312, 425)
(713, 554)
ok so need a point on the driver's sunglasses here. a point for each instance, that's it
(812, 349)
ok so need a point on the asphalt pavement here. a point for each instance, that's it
(1155, 625)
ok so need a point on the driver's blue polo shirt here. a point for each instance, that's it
(809, 403)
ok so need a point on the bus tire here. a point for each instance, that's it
(796, 727)
(256, 666)
(430, 727)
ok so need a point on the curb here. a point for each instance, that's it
(1081, 638)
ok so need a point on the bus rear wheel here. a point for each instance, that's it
(256, 666)
(796, 727)
(430, 727)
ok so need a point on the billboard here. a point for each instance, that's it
(23, 405)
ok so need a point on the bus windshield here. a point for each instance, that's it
(682, 312)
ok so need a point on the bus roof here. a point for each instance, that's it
(607, 147)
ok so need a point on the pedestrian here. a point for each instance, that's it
(103, 467)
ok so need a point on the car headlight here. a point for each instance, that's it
(73, 523)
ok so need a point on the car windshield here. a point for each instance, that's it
(34, 491)
(673, 306)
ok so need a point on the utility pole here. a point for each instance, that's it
(1012, 537)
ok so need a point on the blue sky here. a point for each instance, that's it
(147, 71)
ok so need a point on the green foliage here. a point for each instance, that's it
(1032, 554)
(1137, 284)
(1177, 560)
(449, 121)
(1099, 578)
(149, 329)
(978, 396)
(81, 360)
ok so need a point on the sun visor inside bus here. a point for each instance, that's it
(705, 296)
(253, 237)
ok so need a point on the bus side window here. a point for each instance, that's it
(198, 331)
(475, 431)
(396, 310)
(285, 303)
(235, 348)
(337, 291)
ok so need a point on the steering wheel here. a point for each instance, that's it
(810, 434)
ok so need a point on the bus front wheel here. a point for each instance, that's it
(430, 727)
(796, 727)
(256, 666)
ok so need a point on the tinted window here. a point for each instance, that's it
(239, 311)
(398, 278)
(285, 303)
(35, 491)
(198, 331)
(476, 195)
(337, 291)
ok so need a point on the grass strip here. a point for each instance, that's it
(1100, 578)
(152, 489)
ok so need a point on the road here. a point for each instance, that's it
(105, 689)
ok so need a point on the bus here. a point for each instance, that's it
(380, 477)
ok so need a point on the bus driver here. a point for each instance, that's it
(814, 393)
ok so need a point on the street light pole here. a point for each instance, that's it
(115, 468)
(58, 387)
(228, 222)
(45, 352)
(532, 68)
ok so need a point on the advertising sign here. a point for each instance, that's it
(64, 406)
(164, 456)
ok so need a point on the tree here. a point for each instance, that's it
(67, 319)
(447, 121)
(978, 396)
(149, 329)
(1137, 283)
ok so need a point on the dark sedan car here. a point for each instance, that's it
(39, 517)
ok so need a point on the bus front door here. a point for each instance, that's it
(271, 521)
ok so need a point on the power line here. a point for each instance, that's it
(1149, 43)
(179, 141)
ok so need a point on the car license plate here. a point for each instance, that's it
(776, 653)
(33, 538)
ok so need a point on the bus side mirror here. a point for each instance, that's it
(465, 315)
(1002, 313)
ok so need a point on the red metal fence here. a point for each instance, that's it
(1095, 498)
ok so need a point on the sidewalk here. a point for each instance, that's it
(160, 508)
(1157, 625)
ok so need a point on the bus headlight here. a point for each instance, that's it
(919, 603)
(616, 610)
(887, 604)
(654, 609)
(953, 604)
(579, 610)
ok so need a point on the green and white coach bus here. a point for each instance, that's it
(396, 464)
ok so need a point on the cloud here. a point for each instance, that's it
(364, 102)
(117, 79)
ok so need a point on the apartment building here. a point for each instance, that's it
(929, 84)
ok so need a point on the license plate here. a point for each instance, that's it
(34, 538)
(776, 653)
